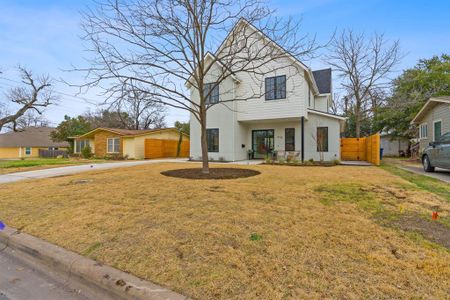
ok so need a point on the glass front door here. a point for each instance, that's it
(262, 142)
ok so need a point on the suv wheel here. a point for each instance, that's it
(426, 164)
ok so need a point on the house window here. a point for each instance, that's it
(322, 139)
(80, 144)
(289, 139)
(276, 87)
(423, 133)
(212, 139)
(211, 91)
(437, 126)
(113, 145)
(28, 151)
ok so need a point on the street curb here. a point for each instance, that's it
(118, 284)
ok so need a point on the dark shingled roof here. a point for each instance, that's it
(323, 80)
(30, 137)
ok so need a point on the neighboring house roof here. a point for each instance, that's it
(30, 137)
(323, 80)
(126, 132)
(429, 105)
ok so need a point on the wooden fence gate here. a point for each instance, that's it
(362, 149)
(156, 148)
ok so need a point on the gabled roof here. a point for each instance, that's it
(212, 57)
(30, 137)
(245, 23)
(126, 132)
(429, 105)
(323, 80)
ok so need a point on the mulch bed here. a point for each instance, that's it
(214, 173)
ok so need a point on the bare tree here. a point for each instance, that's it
(174, 49)
(35, 95)
(364, 64)
(31, 119)
(142, 110)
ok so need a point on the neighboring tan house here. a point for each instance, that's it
(291, 115)
(433, 120)
(123, 142)
(26, 143)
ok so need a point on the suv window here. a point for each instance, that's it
(445, 138)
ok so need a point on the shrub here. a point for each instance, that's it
(281, 160)
(336, 161)
(86, 152)
(255, 237)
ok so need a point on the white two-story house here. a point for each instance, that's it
(292, 114)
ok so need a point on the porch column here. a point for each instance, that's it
(303, 139)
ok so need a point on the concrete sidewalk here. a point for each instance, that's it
(441, 174)
(69, 170)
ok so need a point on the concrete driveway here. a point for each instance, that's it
(440, 174)
(68, 170)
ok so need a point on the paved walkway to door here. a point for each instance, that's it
(61, 171)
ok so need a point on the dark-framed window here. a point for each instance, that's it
(212, 139)
(289, 139)
(322, 139)
(211, 91)
(275, 87)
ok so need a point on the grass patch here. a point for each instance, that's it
(11, 166)
(195, 236)
(427, 183)
(348, 192)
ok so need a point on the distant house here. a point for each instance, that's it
(26, 143)
(433, 120)
(133, 144)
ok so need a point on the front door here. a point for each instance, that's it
(262, 142)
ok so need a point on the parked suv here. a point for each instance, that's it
(437, 154)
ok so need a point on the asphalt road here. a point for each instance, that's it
(440, 174)
(18, 281)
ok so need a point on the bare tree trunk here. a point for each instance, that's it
(358, 119)
(204, 144)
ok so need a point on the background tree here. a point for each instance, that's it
(183, 126)
(364, 65)
(141, 109)
(31, 119)
(429, 78)
(70, 127)
(34, 95)
(161, 45)
(109, 118)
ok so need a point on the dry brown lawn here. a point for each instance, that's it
(282, 234)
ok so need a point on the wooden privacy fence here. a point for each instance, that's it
(52, 153)
(365, 148)
(156, 148)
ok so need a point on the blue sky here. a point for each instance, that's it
(44, 36)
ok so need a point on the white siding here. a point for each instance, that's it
(439, 112)
(334, 142)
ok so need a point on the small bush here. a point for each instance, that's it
(336, 162)
(281, 160)
(86, 152)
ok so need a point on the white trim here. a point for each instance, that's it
(434, 133)
(31, 151)
(326, 114)
(421, 137)
(113, 144)
(425, 106)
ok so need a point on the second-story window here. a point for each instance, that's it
(211, 92)
(276, 87)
